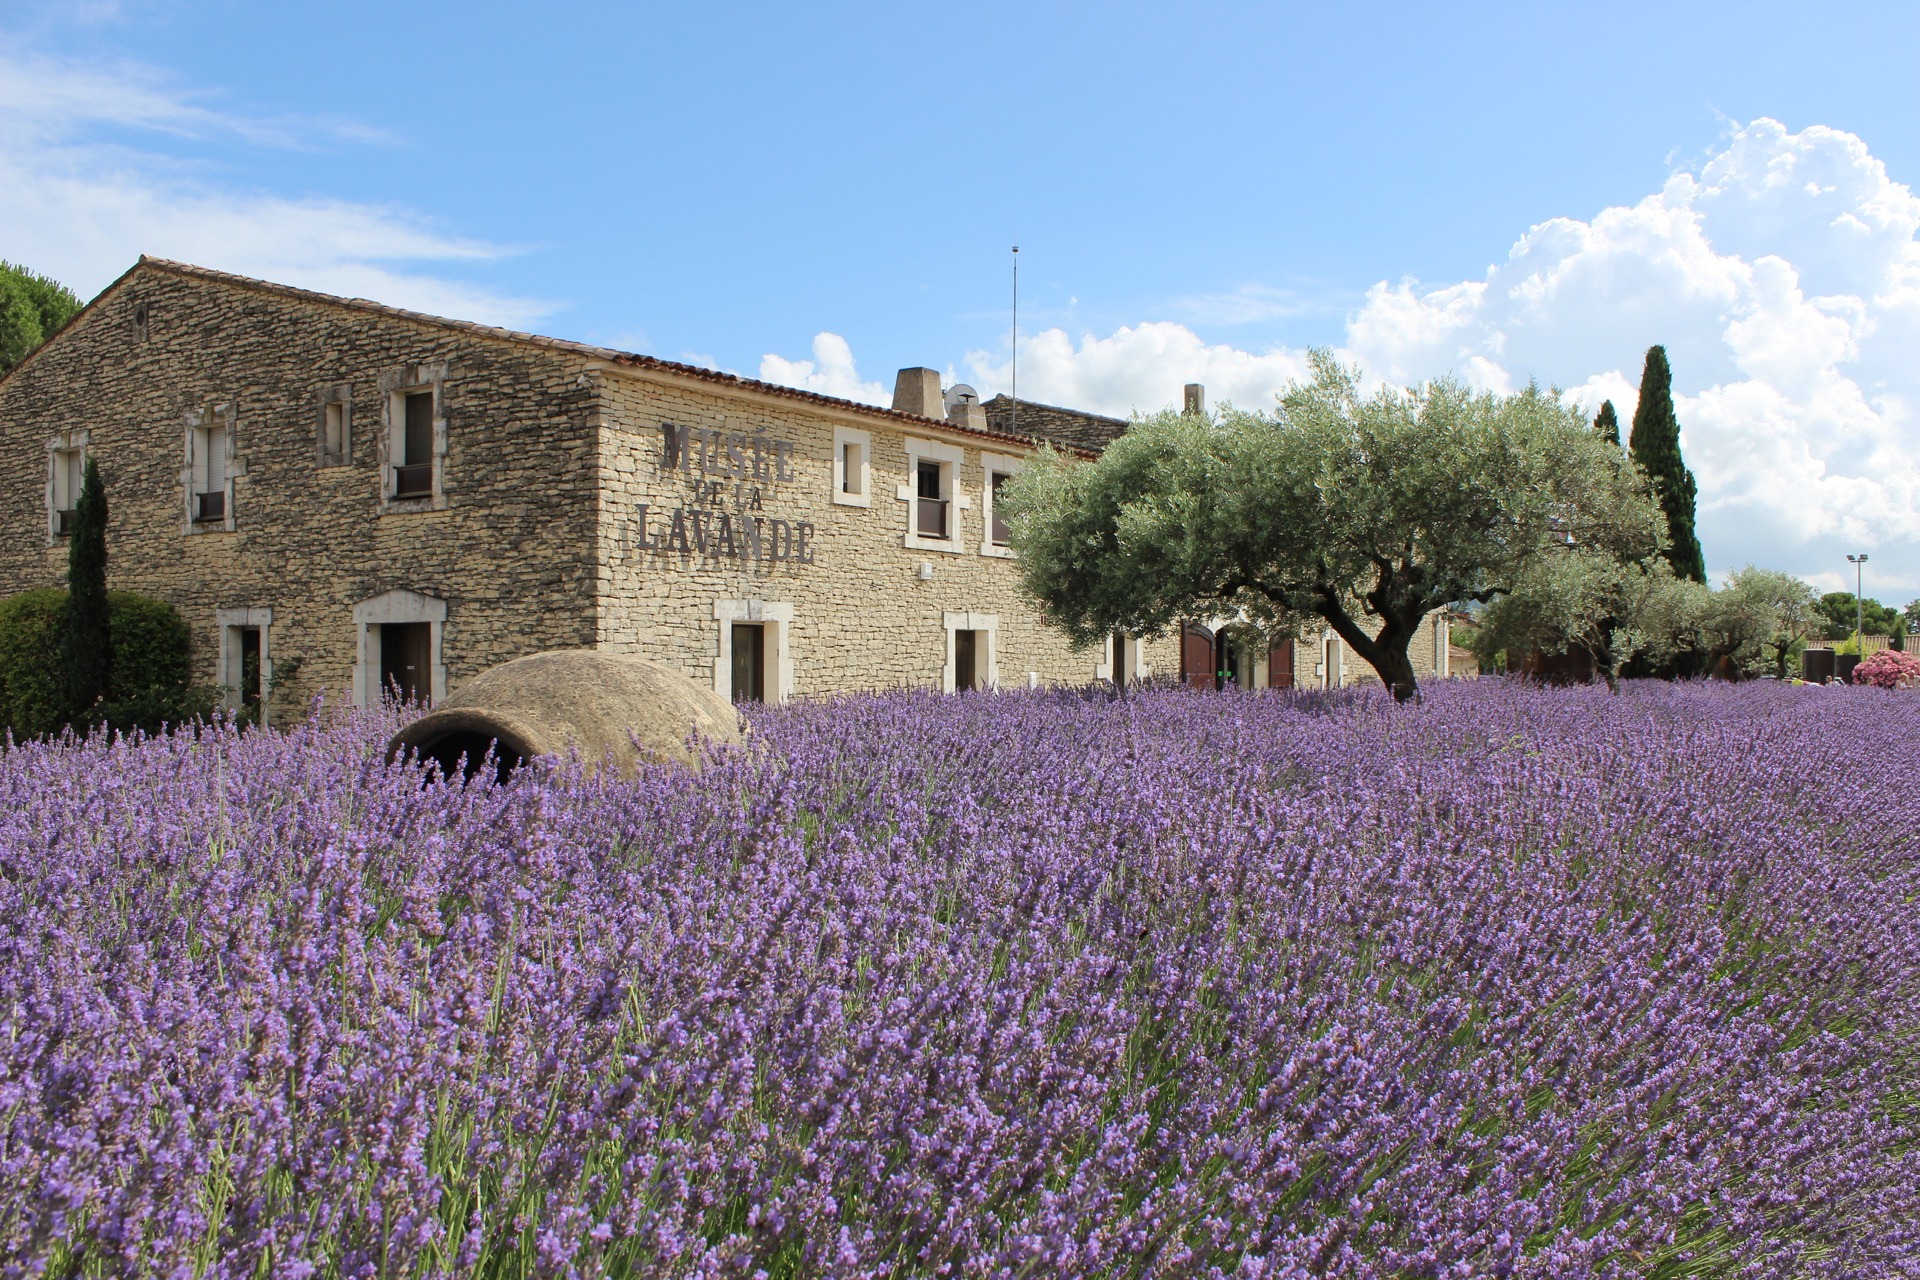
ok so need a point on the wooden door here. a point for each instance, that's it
(1280, 665)
(1196, 657)
(965, 648)
(406, 650)
(749, 662)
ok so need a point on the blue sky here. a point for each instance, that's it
(824, 193)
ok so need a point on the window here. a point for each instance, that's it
(413, 470)
(210, 468)
(934, 502)
(1119, 669)
(852, 479)
(336, 426)
(933, 489)
(413, 438)
(69, 475)
(972, 651)
(753, 663)
(997, 470)
(210, 475)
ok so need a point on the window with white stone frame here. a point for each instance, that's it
(246, 660)
(852, 467)
(334, 435)
(932, 493)
(973, 652)
(66, 475)
(414, 438)
(401, 648)
(212, 464)
(995, 470)
(752, 660)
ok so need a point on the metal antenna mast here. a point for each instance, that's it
(1016, 340)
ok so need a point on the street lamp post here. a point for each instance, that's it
(1859, 603)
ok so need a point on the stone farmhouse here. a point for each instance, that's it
(346, 497)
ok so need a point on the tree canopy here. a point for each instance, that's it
(1613, 609)
(1366, 512)
(32, 308)
(1759, 620)
(1840, 615)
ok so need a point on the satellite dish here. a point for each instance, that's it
(960, 393)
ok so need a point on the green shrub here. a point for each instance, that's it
(33, 688)
(150, 686)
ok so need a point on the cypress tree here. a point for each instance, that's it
(1655, 444)
(1607, 422)
(87, 643)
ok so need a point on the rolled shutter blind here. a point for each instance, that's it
(216, 460)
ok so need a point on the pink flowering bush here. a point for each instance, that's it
(1888, 669)
(1514, 982)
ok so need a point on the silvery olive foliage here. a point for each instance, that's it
(1509, 982)
(1363, 511)
(1612, 610)
(1760, 619)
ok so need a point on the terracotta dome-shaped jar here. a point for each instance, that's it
(607, 706)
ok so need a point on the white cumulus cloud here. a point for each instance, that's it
(830, 372)
(1139, 368)
(1783, 277)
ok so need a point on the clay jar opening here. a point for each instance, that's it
(456, 743)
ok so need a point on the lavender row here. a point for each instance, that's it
(1513, 982)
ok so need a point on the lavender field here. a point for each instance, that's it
(1513, 982)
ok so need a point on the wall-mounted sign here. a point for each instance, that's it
(729, 472)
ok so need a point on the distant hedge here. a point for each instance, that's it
(149, 687)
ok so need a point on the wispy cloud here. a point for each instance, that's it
(1247, 304)
(85, 199)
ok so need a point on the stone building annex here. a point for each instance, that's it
(346, 496)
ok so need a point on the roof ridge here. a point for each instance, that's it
(630, 358)
(1060, 408)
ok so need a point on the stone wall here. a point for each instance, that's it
(580, 498)
(864, 612)
(508, 542)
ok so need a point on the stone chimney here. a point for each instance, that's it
(964, 408)
(918, 391)
(1196, 400)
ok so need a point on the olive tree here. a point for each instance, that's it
(1758, 619)
(1612, 610)
(1366, 512)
